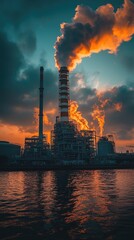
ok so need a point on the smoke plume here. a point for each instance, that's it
(77, 117)
(94, 31)
(98, 112)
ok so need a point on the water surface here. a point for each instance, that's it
(67, 205)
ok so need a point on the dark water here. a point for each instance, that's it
(67, 205)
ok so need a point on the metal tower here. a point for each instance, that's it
(64, 94)
(41, 89)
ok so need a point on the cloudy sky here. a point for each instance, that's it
(99, 38)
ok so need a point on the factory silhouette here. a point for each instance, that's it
(69, 146)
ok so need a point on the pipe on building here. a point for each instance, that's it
(64, 94)
(41, 89)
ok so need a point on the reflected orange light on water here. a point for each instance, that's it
(84, 203)
(48, 195)
(14, 187)
(89, 197)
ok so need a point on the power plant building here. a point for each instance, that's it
(9, 151)
(34, 150)
(64, 94)
(70, 146)
(36, 147)
(106, 146)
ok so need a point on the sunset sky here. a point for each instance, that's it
(103, 80)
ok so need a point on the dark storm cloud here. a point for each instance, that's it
(128, 62)
(84, 94)
(119, 120)
(79, 88)
(19, 88)
(27, 42)
(122, 121)
(19, 93)
(10, 54)
(19, 12)
(31, 77)
(19, 82)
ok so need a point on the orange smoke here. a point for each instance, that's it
(99, 115)
(76, 116)
(46, 121)
(92, 32)
(98, 112)
(35, 117)
(118, 107)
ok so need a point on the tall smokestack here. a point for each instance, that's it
(64, 94)
(41, 89)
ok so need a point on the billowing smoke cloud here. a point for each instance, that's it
(94, 31)
(113, 111)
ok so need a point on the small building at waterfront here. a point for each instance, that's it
(9, 151)
(106, 146)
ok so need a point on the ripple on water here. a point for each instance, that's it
(67, 205)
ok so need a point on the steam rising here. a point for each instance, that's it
(77, 117)
(92, 32)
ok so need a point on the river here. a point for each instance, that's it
(54, 205)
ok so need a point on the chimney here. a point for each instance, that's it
(41, 89)
(64, 94)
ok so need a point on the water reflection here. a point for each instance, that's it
(67, 204)
(11, 185)
(48, 196)
(91, 202)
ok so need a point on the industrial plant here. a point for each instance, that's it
(36, 147)
(69, 145)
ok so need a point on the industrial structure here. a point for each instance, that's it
(41, 89)
(9, 151)
(36, 147)
(68, 144)
(64, 94)
(106, 145)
